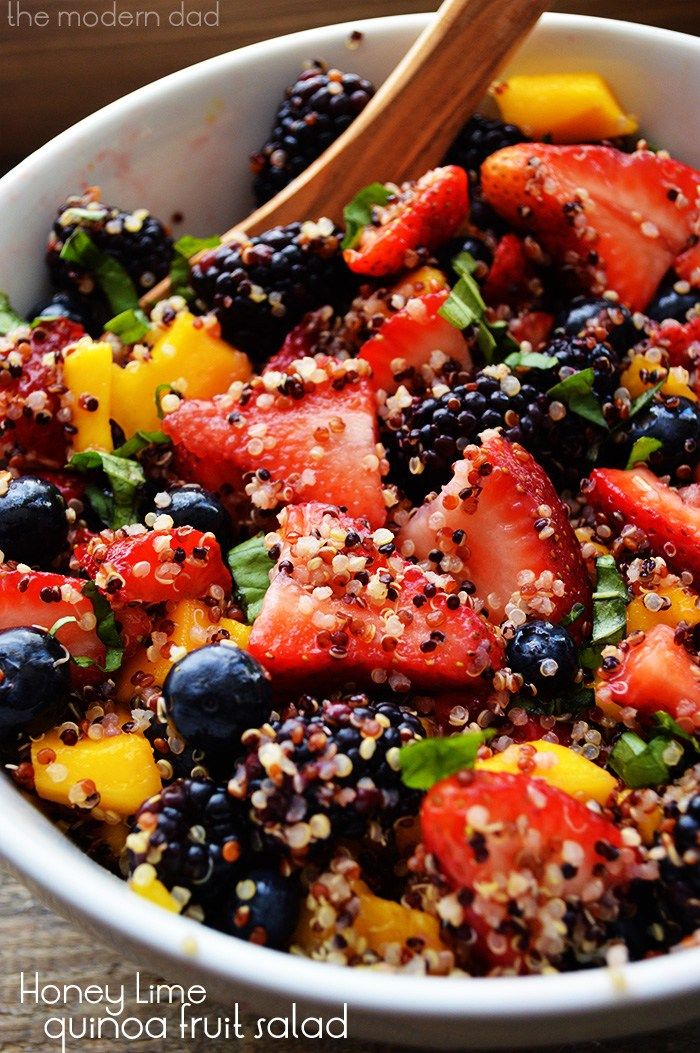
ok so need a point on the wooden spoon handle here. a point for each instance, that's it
(414, 116)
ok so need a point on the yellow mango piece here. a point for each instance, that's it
(680, 605)
(193, 628)
(421, 281)
(145, 884)
(649, 823)
(191, 356)
(122, 769)
(568, 107)
(644, 372)
(569, 771)
(87, 373)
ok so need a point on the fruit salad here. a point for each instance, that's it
(347, 597)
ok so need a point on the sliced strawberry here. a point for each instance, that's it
(533, 326)
(500, 524)
(71, 485)
(510, 274)
(421, 215)
(656, 674)
(30, 393)
(134, 625)
(408, 339)
(670, 522)
(302, 341)
(516, 843)
(155, 565)
(618, 219)
(343, 606)
(687, 265)
(306, 439)
(681, 340)
(38, 598)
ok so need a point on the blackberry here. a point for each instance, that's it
(574, 354)
(678, 851)
(478, 139)
(326, 770)
(261, 289)
(194, 834)
(675, 422)
(137, 240)
(315, 111)
(176, 759)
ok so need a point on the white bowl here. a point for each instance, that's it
(180, 145)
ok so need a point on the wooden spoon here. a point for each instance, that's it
(407, 126)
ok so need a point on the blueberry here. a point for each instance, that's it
(34, 680)
(263, 908)
(191, 505)
(675, 422)
(213, 694)
(536, 644)
(33, 527)
(63, 305)
(615, 318)
(671, 304)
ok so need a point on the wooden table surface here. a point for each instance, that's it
(53, 79)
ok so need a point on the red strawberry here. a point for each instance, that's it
(302, 341)
(657, 673)
(307, 439)
(134, 625)
(670, 522)
(510, 274)
(421, 215)
(500, 518)
(533, 326)
(155, 565)
(408, 339)
(681, 340)
(687, 265)
(42, 599)
(70, 484)
(30, 393)
(619, 219)
(516, 844)
(343, 606)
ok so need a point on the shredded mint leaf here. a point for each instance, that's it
(250, 566)
(464, 263)
(610, 601)
(183, 250)
(125, 476)
(642, 450)
(130, 326)
(465, 307)
(107, 631)
(668, 726)
(9, 319)
(576, 391)
(531, 360)
(139, 441)
(67, 620)
(427, 761)
(573, 615)
(639, 763)
(579, 698)
(643, 400)
(108, 272)
(357, 214)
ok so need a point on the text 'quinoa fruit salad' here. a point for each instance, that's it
(349, 603)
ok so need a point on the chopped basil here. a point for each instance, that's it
(107, 631)
(250, 566)
(465, 307)
(644, 399)
(183, 250)
(531, 360)
(357, 214)
(464, 263)
(573, 615)
(610, 601)
(108, 272)
(639, 763)
(67, 620)
(139, 441)
(9, 319)
(580, 697)
(425, 762)
(125, 476)
(669, 726)
(642, 450)
(576, 391)
(130, 326)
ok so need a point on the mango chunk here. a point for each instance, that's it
(121, 768)
(191, 356)
(678, 604)
(645, 371)
(145, 884)
(188, 627)
(558, 765)
(87, 373)
(568, 107)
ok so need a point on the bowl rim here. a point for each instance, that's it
(77, 885)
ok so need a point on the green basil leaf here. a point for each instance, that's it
(580, 697)
(639, 763)
(107, 631)
(139, 441)
(464, 263)
(357, 214)
(644, 446)
(250, 566)
(576, 391)
(130, 326)
(108, 272)
(668, 726)
(9, 319)
(531, 360)
(573, 615)
(610, 601)
(125, 477)
(427, 761)
(644, 399)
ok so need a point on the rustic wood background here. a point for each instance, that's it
(52, 80)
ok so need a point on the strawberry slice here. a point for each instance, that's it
(510, 274)
(420, 215)
(39, 598)
(687, 265)
(680, 339)
(155, 565)
(533, 326)
(30, 393)
(516, 843)
(343, 606)
(408, 339)
(306, 437)
(500, 524)
(669, 518)
(618, 219)
(302, 341)
(656, 674)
